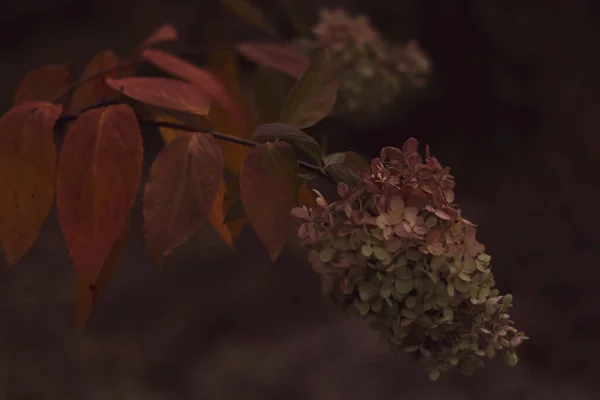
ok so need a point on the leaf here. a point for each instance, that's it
(193, 74)
(43, 84)
(270, 89)
(235, 211)
(162, 92)
(218, 210)
(27, 174)
(184, 182)
(238, 123)
(268, 186)
(281, 56)
(251, 14)
(96, 90)
(232, 121)
(313, 96)
(166, 33)
(88, 290)
(346, 167)
(290, 134)
(306, 197)
(98, 177)
(168, 134)
(301, 27)
(350, 158)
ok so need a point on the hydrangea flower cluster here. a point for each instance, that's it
(371, 72)
(396, 249)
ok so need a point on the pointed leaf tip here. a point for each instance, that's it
(88, 291)
(98, 176)
(166, 33)
(269, 183)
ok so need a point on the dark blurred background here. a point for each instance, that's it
(513, 108)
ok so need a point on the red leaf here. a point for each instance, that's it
(184, 182)
(282, 56)
(269, 184)
(27, 174)
(98, 176)
(193, 74)
(96, 89)
(161, 92)
(42, 84)
(89, 290)
(165, 33)
(313, 96)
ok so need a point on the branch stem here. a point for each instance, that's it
(66, 118)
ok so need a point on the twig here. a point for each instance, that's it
(66, 118)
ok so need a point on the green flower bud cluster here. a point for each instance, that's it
(371, 72)
(396, 250)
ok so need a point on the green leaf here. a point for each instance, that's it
(236, 210)
(313, 96)
(290, 134)
(270, 89)
(345, 167)
(269, 183)
(302, 28)
(251, 14)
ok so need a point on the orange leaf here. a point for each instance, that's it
(224, 65)
(269, 183)
(43, 84)
(168, 134)
(217, 215)
(162, 92)
(165, 33)
(235, 122)
(184, 182)
(98, 177)
(96, 90)
(88, 290)
(232, 193)
(27, 174)
(281, 56)
(306, 196)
